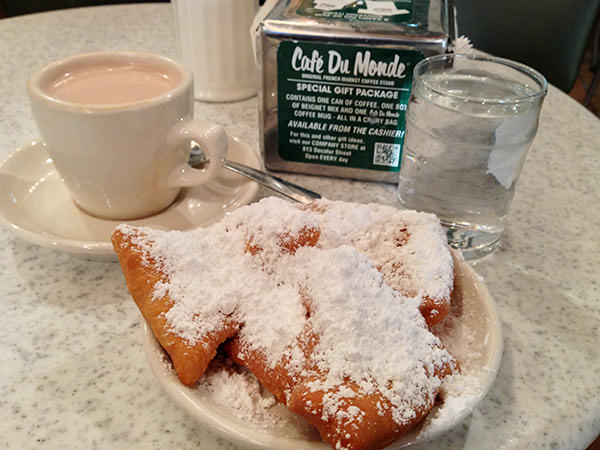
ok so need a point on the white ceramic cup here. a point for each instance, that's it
(213, 40)
(122, 144)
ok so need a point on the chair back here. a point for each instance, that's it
(549, 35)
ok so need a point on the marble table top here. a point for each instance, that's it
(73, 373)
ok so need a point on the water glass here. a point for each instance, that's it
(470, 121)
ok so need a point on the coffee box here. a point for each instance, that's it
(334, 82)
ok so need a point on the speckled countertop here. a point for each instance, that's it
(73, 373)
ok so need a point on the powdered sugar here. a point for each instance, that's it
(351, 325)
(238, 390)
(410, 245)
(460, 394)
(249, 268)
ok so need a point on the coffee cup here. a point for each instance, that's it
(118, 127)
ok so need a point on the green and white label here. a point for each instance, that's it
(343, 105)
(399, 11)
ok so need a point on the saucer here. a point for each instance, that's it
(36, 206)
(471, 332)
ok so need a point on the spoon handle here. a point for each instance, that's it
(286, 188)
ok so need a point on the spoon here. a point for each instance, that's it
(286, 188)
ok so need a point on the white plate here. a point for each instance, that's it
(471, 332)
(35, 204)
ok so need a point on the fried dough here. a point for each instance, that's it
(142, 274)
(397, 241)
(327, 305)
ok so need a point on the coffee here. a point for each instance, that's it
(112, 83)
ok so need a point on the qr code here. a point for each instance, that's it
(386, 154)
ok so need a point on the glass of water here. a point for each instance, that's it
(469, 124)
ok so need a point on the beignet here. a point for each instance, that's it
(327, 305)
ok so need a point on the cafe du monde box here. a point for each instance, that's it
(334, 82)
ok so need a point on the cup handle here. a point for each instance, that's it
(212, 138)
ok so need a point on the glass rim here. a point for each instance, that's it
(537, 77)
